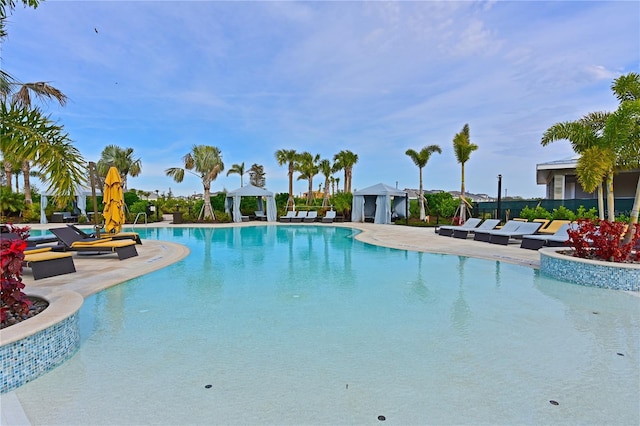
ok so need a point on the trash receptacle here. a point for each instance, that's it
(177, 217)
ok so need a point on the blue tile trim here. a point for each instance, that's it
(594, 274)
(31, 357)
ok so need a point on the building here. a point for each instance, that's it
(562, 183)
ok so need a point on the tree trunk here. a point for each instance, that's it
(26, 168)
(325, 199)
(208, 208)
(310, 194)
(634, 216)
(290, 202)
(8, 175)
(422, 214)
(600, 202)
(610, 198)
(463, 207)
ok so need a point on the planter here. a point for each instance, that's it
(594, 273)
(177, 218)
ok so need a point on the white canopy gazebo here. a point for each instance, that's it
(81, 193)
(232, 203)
(378, 202)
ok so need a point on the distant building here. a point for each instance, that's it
(562, 183)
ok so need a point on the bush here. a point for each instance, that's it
(12, 298)
(591, 214)
(563, 213)
(602, 240)
(537, 213)
(222, 217)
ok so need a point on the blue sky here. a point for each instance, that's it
(375, 78)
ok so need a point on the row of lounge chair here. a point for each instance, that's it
(52, 260)
(532, 235)
(308, 217)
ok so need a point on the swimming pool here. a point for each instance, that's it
(306, 325)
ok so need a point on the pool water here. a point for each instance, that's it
(306, 325)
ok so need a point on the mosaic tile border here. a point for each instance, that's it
(588, 272)
(27, 359)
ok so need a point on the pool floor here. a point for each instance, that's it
(306, 325)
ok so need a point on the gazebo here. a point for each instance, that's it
(81, 193)
(378, 203)
(232, 203)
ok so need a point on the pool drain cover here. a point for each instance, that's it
(382, 418)
(552, 402)
(208, 386)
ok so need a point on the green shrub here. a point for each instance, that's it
(222, 216)
(591, 214)
(563, 213)
(139, 206)
(537, 213)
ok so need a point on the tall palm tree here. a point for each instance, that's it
(122, 159)
(204, 161)
(307, 166)
(326, 168)
(623, 131)
(421, 159)
(237, 169)
(345, 160)
(257, 175)
(462, 147)
(288, 157)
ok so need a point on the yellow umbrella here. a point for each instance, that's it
(113, 201)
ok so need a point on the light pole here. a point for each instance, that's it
(499, 193)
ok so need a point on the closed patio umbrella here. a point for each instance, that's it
(113, 201)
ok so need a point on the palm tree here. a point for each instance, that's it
(421, 159)
(326, 168)
(21, 98)
(586, 134)
(463, 148)
(345, 160)
(307, 166)
(204, 161)
(623, 132)
(25, 133)
(289, 157)
(257, 175)
(237, 169)
(122, 159)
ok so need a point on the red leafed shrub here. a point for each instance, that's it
(602, 240)
(12, 299)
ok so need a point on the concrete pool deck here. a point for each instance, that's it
(96, 273)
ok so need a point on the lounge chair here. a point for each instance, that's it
(487, 225)
(114, 236)
(544, 223)
(554, 226)
(483, 235)
(290, 214)
(45, 263)
(260, 215)
(329, 217)
(300, 216)
(447, 231)
(557, 239)
(70, 240)
(503, 237)
(311, 217)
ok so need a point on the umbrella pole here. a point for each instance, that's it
(92, 175)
